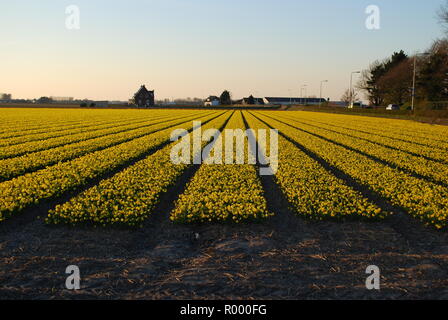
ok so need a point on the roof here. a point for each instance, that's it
(212, 98)
(142, 90)
(256, 100)
(293, 100)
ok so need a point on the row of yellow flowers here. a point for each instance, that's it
(39, 143)
(433, 148)
(129, 197)
(57, 136)
(29, 189)
(413, 132)
(422, 199)
(433, 170)
(398, 126)
(14, 167)
(15, 123)
(223, 192)
(312, 191)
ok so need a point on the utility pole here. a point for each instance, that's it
(303, 88)
(320, 100)
(351, 87)
(414, 76)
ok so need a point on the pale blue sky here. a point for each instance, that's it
(194, 48)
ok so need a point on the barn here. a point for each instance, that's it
(143, 97)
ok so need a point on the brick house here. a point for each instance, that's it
(143, 97)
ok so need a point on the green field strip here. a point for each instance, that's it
(129, 197)
(31, 189)
(424, 200)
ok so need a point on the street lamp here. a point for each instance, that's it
(351, 86)
(320, 100)
(413, 78)
(303, 88)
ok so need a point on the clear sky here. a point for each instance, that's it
(195, 48)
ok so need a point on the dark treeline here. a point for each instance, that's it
(390, 81)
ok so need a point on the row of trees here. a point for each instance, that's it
(390, 81)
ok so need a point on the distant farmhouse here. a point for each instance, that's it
(293, 101)
(273, 101)
(212, 101)
(252, 101)
(5, 96)
(143, 97)
(62, 99)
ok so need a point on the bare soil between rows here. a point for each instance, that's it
(285, 257)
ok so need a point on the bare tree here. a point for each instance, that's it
(443, 15)
(346, 96)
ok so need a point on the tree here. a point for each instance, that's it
(432, 81)
(443, 15)
(369, 83)
(396, 83)
(44, 100)
(251, 100)
(372, 81)
(225, 98)
(346, 96)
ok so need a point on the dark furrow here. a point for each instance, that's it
(369, 156)
(374, 142)
(277, 202)
(168, 199)
(41, 210)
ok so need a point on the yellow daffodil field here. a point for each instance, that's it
(115, 167)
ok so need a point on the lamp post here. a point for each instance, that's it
(414, 76)
(351, 87)
(320, 100)
(303, 88)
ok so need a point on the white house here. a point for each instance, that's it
(293, 101)
(212, 101)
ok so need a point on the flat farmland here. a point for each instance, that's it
(99, 189)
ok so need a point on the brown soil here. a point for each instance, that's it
(283, 258)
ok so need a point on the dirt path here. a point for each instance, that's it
(286, 257)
